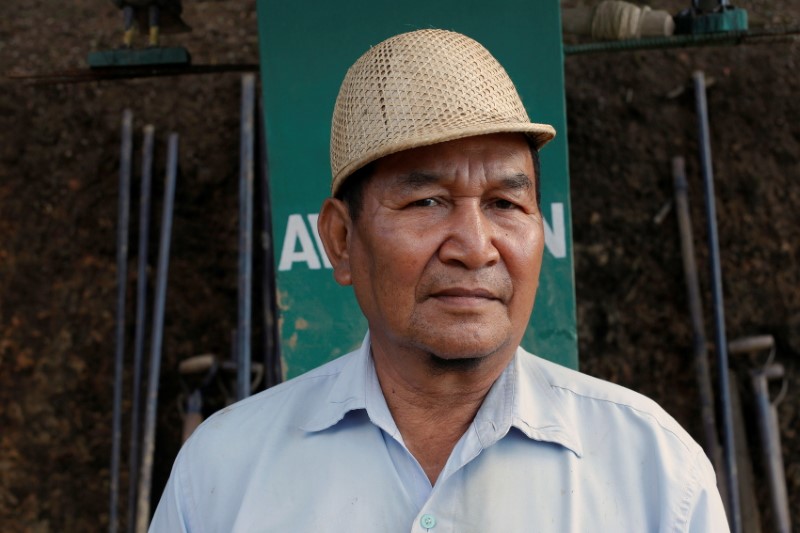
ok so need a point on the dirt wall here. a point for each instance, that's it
(58, 206)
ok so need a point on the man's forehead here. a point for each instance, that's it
(504, 157)
(416, 180)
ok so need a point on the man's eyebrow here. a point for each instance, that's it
(415, 180)
(517, 182)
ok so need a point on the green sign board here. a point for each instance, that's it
(306, 48)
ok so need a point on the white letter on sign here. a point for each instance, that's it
(296, 231)
(556, 239)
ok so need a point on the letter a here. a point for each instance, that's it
(296, 231)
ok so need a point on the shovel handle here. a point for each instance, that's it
(751, 344)
(190, 423)
(193, 416)
(197, 364)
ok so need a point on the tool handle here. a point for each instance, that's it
(257, 375)
(190, 423)
(197, 364)
(751, 344)
(773, 371)
(194, 414)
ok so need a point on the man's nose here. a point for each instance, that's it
(469, 237)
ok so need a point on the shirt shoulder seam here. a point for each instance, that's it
(643, 412)
(692, 485)
(186, 490)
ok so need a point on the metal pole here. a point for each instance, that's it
(148, 448)
(702, 372)
(771, 443)
(719, 310)
(272, 375)
(731, 38)
(768, 427)
(246, 175)
(141, 317)
(126, 151)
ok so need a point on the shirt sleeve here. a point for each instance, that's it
(170, 515)
(705, 510)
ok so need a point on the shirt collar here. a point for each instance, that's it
(523, 398)
(355, 387)
(520, 398)
(538, 411)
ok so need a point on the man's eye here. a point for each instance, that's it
(424, 202)
(504, 204)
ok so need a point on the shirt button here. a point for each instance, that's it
(427, 521)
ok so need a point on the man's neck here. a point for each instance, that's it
(433, 404)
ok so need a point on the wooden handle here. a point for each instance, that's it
(190, 423)
(193, 416)
(751, 344)
(197, 364)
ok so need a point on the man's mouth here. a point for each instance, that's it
(464, 294)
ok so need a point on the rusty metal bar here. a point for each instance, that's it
(700, 351)
(272, 356)
(141, 319)
(246, 177)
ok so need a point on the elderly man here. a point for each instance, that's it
(441, 421)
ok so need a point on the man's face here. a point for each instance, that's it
(445, 255)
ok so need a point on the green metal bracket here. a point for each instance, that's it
(125, 57)
(732, 19)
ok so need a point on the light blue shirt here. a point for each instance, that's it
(550, 450)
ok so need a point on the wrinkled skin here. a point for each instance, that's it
(445, 256)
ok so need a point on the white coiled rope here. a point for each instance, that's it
(614, 20)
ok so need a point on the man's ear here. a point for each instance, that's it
(335, 226)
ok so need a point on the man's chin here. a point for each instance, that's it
(464, 356)
(455, 364)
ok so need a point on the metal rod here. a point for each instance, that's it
(272, 361)
(246, 175)
(719, 310)
(771, 444)
(699, 349)
(149, 440)
(686, 41)
(126, 151)
(126, 73)
(141, 318)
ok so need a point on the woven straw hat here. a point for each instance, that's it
(422, 88)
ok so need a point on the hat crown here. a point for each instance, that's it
(420, 88)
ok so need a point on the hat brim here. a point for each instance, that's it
(540, 134)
